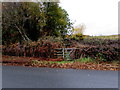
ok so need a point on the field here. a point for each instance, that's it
(112, 37)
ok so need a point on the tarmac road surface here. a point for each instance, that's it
(33, 77)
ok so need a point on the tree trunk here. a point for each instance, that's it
(22, 33)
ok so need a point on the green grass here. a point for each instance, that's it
(115, 62)
(112, 37)
(50, 62)
(85, 60)
(81, 60)
(60, 62)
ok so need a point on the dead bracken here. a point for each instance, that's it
(29, 62)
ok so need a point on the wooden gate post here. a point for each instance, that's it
(63, 53)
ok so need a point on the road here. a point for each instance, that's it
(32, 77)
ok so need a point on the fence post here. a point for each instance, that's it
(63, 53)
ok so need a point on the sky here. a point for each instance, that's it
(99, 16)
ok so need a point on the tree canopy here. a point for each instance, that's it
(29, 21)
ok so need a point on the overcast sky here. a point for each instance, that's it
(99, 16)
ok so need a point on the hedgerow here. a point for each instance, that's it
(99, 53)
(98, 49)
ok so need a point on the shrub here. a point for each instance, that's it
(43, 48)
(98, 49)
(101, 53)
(77, 37)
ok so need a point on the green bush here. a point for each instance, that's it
(77, 37)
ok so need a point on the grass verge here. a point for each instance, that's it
(82, 63)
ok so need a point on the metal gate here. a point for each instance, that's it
(66, 53)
